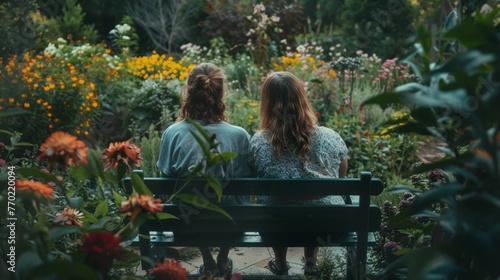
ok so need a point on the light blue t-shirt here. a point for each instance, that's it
(180, 153)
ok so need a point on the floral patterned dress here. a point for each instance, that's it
(328, 151)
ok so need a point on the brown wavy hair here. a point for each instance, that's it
(286, 114)
(202, 97)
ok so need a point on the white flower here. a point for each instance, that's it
(283, 41)
(250, 32)
(259, 8)
(125, 37)
(61, 40)
(275, 18)
(301, 49)
(122, 28)
(359, 52)
(50, 49)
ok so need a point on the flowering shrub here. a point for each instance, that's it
(75, 218)
(60, 88)
(395, 235)
(157, 66)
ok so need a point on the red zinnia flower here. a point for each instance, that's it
(169, 270)
(102, 248)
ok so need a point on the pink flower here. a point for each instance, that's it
(2, 162)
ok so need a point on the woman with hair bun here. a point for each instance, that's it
(290, 144)
(202, 101)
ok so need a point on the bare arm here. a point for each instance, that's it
(343, 168)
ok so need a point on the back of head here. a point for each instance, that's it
(286, 113)
(203, 94)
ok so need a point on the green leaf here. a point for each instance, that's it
(35, 172)
(202, 144)
(24, 144)
(76, 202)
(468, 61)
(202, 203)
(138, 185)
(118, 198)
(385, 98)
(62, 269)
(200, 129)
(226, 156)
(162, 216)
(59, 231)
(402, 189)
(6, 131)
(215, 184)
(102, 209)
(434, 195)
(88, 216)
(100, 224)
(13, 112)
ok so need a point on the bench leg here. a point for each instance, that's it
(350, 265)
(145, 249)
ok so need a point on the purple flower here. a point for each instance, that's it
(407, 195)
(435, 175)
(415, 178)
(403, 204)
(392, 246)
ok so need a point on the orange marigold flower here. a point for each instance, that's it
(169, 269)
(121, 152)
(69, 216)
(63, 148)
(140, 202)
(38, 188)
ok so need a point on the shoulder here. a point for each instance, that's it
(325, 132)
(176, 127)
(259, 136)
(234, 129)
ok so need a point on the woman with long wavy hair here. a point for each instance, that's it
(290, 144)
(180, 153)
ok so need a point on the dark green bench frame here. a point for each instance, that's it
(350, 225)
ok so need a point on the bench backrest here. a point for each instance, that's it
(359, 217)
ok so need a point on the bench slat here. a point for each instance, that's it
(249, 239)
(255, 186)
(269, 218)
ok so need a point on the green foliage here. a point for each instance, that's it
(18, 30)
(380, 27)
(150, 146)
(70, 24)
(124, 37)
(456, 101)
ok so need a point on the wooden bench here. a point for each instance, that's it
(350, 225)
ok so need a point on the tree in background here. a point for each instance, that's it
(17, 31)
(70, 22)
(323, 15)
(380, 27)
(167, 24)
